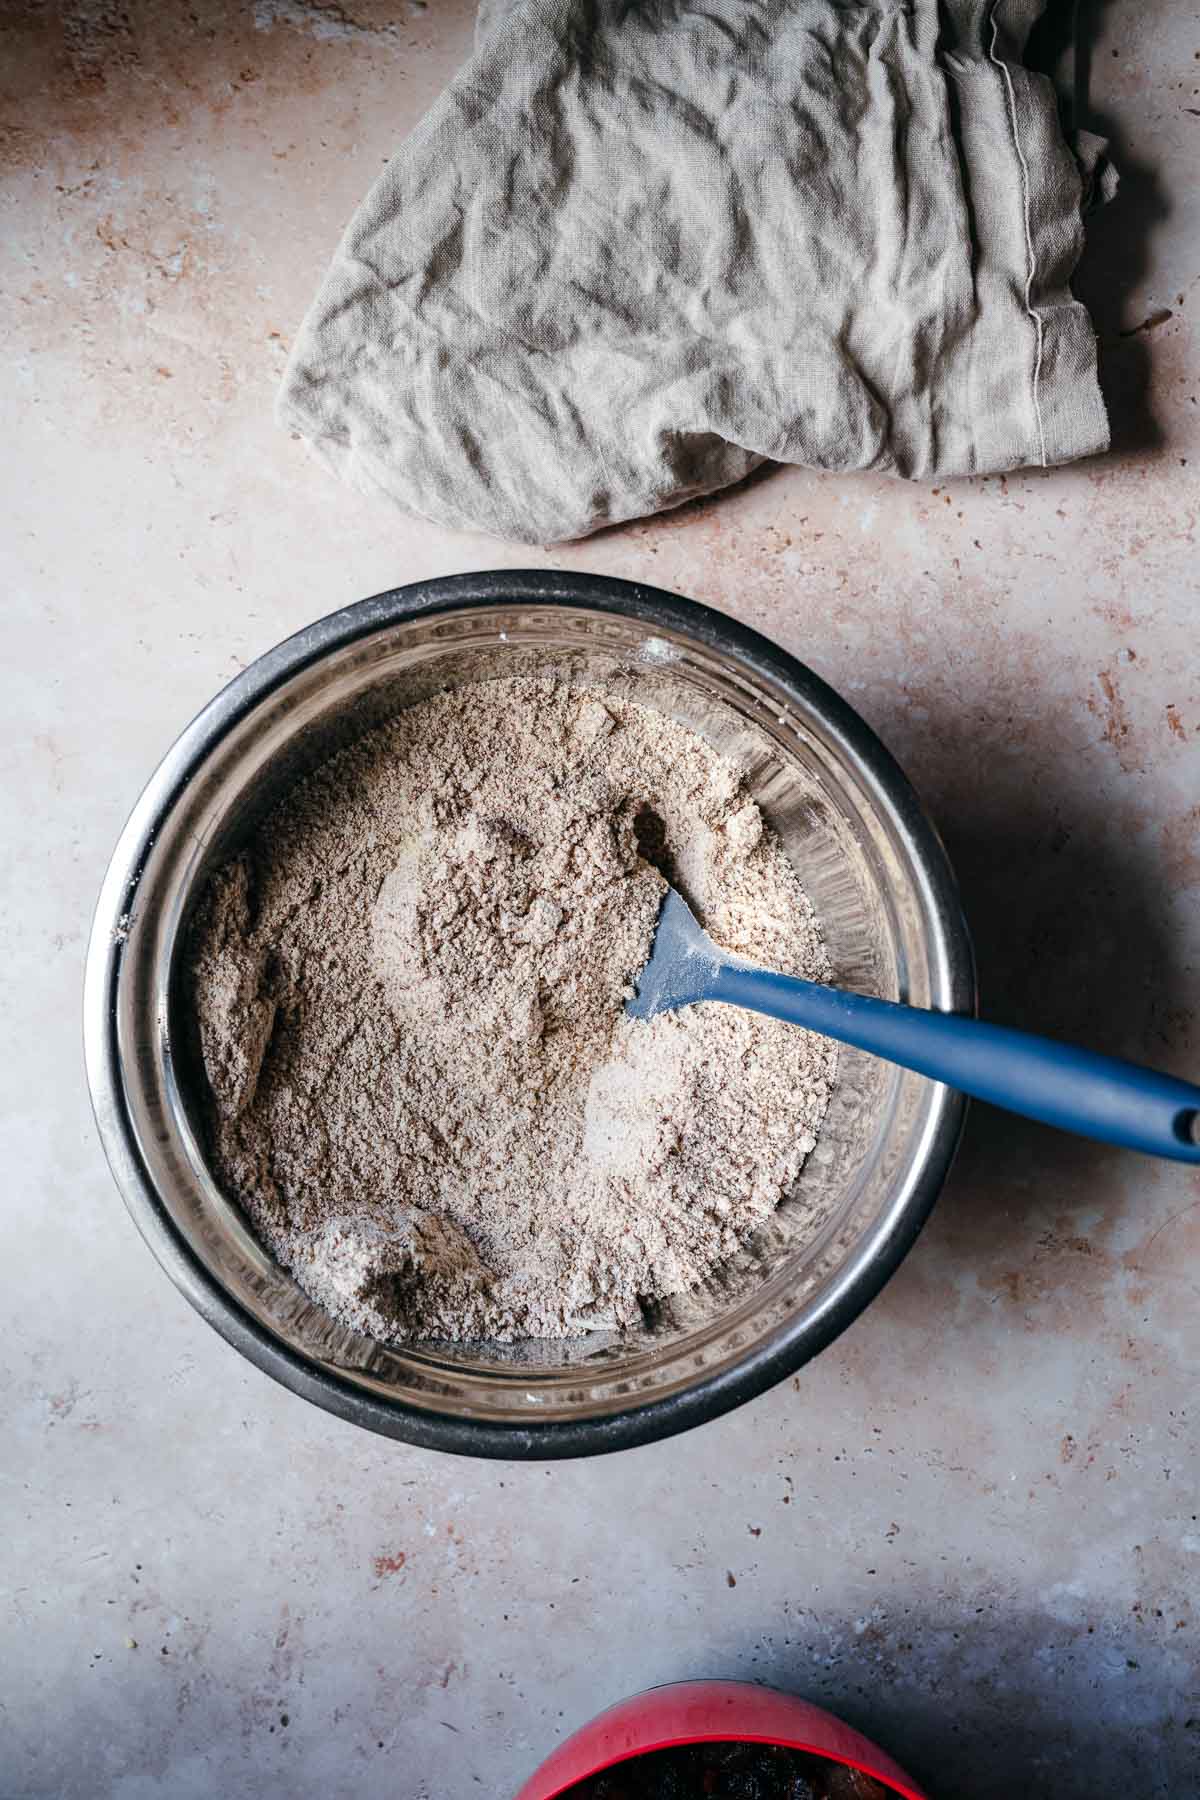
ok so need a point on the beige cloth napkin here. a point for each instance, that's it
(640, 246)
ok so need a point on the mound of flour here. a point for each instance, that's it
(410, 989)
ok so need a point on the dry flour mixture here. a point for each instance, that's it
(410, 991)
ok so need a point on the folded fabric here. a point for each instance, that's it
(639, 247)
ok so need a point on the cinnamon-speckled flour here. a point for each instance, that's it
(410, 990)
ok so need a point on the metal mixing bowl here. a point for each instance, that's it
(865, 851)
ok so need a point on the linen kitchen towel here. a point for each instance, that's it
(639, 247)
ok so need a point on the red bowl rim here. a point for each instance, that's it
(722, 1737)
(868, 1758)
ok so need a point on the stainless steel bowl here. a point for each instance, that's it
(868, 856)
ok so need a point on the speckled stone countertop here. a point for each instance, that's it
(971, 1526)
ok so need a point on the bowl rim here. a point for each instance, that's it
(677, 1713)
(950, 950)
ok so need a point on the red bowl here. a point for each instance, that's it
(700, 1712)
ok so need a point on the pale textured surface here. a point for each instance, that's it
(635, 249)
(991, 1539)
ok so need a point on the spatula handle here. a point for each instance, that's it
(1077, 1090)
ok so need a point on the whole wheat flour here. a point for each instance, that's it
(410, 991)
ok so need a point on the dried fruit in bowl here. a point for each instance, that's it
(729, 1771)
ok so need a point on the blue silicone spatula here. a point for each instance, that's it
(1077, 1090)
